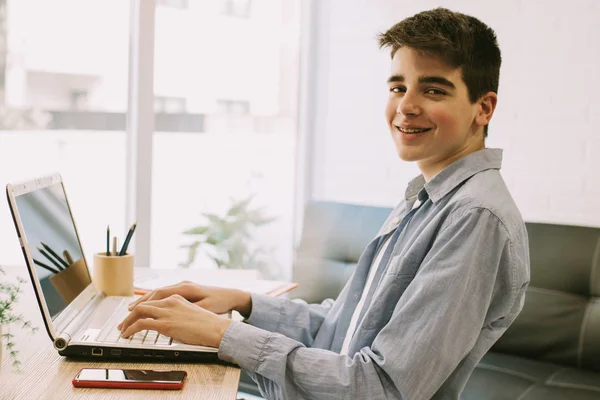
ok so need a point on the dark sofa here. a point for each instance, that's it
(552, 350)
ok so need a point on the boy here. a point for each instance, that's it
(440, 283)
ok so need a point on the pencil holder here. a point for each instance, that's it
(113, 275)
(71, 281)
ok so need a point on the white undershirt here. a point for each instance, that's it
(363, 298)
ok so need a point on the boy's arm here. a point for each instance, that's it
(466, 293)
(295, 319)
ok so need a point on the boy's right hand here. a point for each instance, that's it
(215, 299)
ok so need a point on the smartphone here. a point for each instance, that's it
(129, 378)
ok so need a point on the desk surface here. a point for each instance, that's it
(47, 375)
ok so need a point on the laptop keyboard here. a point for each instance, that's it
(110, 333)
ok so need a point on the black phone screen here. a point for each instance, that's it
(130, 375)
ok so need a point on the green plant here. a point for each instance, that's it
(229, 239)
(9, 294)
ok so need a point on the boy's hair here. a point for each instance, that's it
(458, 39)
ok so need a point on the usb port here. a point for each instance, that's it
(96, 351)
(159, 354)
(115, 352)
(147, 353)
(134, 353)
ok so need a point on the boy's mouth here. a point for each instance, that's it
(412, 131)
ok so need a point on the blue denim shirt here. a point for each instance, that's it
(455, 281)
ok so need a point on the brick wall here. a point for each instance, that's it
(547, 119)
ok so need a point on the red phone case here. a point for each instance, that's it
(125, 385)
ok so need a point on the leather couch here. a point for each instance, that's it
(552, 350)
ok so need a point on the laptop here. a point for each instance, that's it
(80, 320)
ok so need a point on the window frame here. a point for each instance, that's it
(141, 116)
(140, 126)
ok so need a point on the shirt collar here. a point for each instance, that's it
(454, 174)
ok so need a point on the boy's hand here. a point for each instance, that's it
(215, 299)
(178, 318)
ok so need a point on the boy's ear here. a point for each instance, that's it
(487, 105)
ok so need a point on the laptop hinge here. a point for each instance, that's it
(66, 335)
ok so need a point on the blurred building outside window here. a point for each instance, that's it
(225, 114)
(241, 75)
(63, 101)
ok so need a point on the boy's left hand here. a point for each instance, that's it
(177, 318)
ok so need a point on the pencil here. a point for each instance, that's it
(114, 252)
(49, 268)
(49, 258)
(127, 239)
(68, 257)
(107, 240)
(49, 250)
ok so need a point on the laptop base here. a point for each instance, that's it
(114, 353)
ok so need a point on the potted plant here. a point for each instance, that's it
(228, 239)
(9, 294)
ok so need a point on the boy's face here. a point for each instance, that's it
(429, 113)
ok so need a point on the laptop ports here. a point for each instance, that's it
(115, 352)
(96, 351)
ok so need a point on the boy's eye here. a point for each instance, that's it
(398, 89)
(434, 91)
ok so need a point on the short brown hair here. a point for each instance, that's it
(458, 39)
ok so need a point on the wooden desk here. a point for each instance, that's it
(47, 375)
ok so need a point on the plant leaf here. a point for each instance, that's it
(240, 206)
(263, 221)
(214, 219)
(197, 230)
(193, 247)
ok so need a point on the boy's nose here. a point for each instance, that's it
(408, 105)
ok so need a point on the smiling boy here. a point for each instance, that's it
(430, 115)
(442, 281)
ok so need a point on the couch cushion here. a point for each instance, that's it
(338, 231)
(560, 321)
(333, 238)
(506, 377)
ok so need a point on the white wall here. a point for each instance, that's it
(546, 121)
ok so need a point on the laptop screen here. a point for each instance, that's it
(50, 232)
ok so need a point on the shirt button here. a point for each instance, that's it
(396, 220)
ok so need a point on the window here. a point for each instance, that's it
(169, 105)
(224, 106)
(233, 107)
(63, 103)
(78, 99)
(241, 75)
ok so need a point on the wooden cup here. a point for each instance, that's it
(113, 275)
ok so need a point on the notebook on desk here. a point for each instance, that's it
(80, 320)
